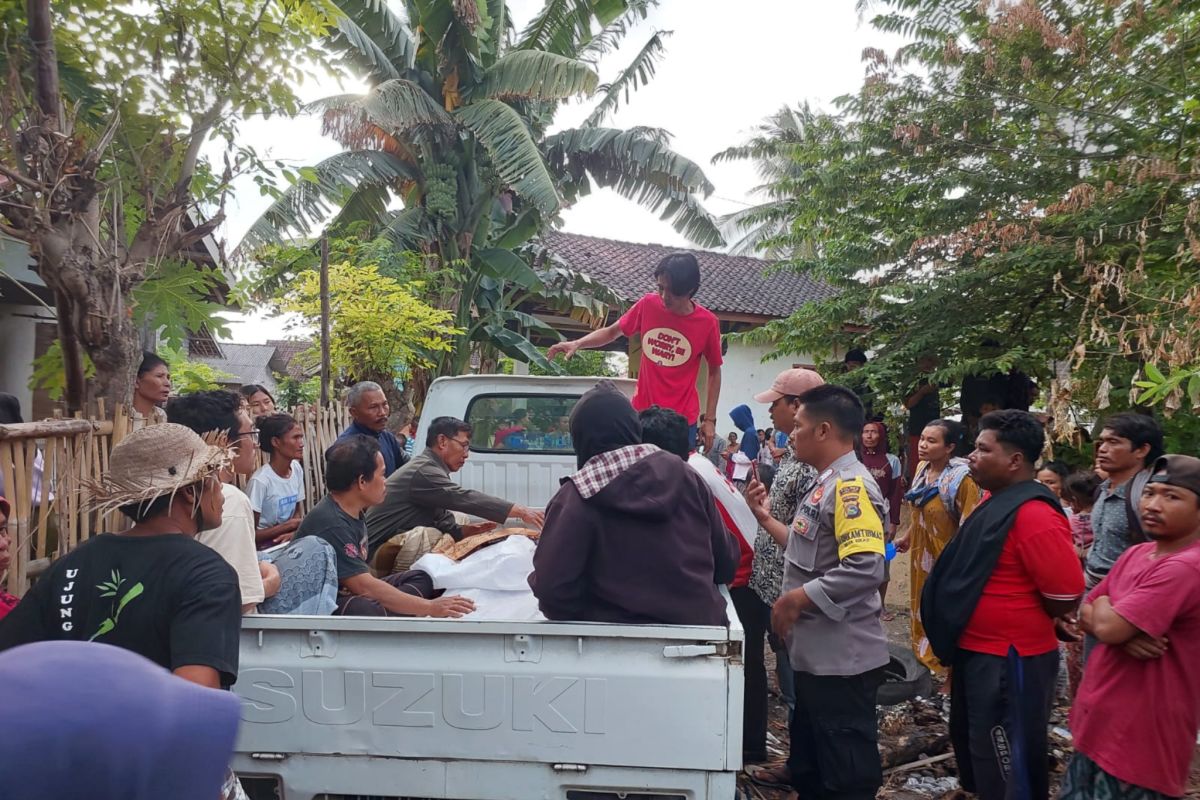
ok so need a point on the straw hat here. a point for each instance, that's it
(153, 461)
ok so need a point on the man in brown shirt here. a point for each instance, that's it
(422, 494)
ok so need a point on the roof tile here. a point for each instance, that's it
(729, 284)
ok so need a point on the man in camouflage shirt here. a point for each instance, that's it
(792, 481)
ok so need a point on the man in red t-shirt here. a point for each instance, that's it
(675, 333)
(1137, 712)
(989, 607)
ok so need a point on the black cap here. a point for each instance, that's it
(856, 355)
(1181, 471)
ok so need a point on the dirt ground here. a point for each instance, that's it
(918, 724)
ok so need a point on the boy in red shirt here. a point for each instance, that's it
(989, 607)
(675, 333)
(1138, 709)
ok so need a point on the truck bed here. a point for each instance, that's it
(489, 710)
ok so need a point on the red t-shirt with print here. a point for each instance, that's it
(672, 345)
(1038, 560)
(1137, 719)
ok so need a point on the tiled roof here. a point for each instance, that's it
(286, 362)
(249, 363)
(729, 284)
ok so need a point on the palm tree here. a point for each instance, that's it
(454, 126)
(763, 229)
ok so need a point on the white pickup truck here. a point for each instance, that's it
(492, 710)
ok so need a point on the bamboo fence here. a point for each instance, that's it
(49, 516)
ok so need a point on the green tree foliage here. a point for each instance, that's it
(107, 106)
(455, 126)
(292, 392)
(50, 373)
(1020, 172)
(377, 325)
(189, 376)
(586, 363)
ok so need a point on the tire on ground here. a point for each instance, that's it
(905, 677)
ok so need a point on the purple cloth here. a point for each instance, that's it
(89, 721)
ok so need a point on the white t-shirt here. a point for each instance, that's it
(234, 541)
(273, 497)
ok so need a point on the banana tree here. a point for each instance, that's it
(454, 131)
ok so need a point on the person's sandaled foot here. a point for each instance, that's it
(772, 776)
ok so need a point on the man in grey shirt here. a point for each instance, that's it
(422, 494)
(1126, 449)
(829, 611)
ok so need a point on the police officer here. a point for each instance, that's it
(829, 612)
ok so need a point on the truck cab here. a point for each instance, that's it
(520, 443)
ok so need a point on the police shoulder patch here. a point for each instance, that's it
(856, 524)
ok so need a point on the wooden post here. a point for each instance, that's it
(324, 321)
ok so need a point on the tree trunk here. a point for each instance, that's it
(89, 290)
(45, 61)
(89, 284)
(325, 368)
(416, 387)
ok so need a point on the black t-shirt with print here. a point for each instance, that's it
(168, 598)
(347, 535)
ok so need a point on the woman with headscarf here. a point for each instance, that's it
(885, 469)
(633, 536)
(943, 494)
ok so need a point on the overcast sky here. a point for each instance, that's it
(727, 67)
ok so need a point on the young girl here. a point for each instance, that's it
(259, 401)
(1052, 475)
(1079, 494)
(277, 487)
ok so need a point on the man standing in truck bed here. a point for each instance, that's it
(676, 331)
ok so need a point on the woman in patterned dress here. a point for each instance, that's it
(943, 494)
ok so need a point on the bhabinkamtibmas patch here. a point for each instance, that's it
(855, 522)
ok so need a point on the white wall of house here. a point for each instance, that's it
(17, 328)
(16, 352)
(744, 375)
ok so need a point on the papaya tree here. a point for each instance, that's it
(105, 111)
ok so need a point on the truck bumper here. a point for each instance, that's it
(303, 777)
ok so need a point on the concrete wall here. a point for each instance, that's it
(16, 328)
(743, 375)
(16, 352)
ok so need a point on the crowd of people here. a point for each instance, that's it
(1013, 560)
